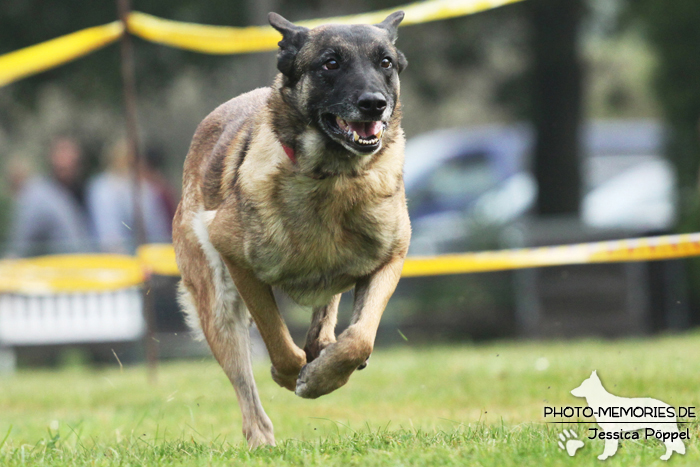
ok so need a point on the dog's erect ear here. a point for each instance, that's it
(391, 24)
(403, 63)
(293, 38)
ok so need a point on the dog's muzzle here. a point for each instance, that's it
(363, 137)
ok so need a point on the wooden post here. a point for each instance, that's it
(129, 91)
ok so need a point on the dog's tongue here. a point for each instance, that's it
(365, 129)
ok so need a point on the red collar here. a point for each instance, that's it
(292, 157)
(290, 153)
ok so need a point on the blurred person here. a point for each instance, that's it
(110, 203)
(66, 159)
(154, 161)
(48, 217)
(17, 172)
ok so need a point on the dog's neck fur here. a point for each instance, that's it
(314, 154)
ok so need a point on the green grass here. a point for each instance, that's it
(458, 405)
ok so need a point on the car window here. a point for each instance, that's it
(455, 183)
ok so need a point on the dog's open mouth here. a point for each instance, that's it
(363, 137)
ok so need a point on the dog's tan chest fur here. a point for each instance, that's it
(336, 236)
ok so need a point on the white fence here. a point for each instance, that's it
(63, 318)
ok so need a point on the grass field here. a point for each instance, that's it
(470, 405)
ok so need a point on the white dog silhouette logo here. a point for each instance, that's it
(617, 415)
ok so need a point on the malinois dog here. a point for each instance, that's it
(298, 187)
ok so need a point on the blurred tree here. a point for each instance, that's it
(28, 22)
(556, 103)
(671, 29)
(548, 92)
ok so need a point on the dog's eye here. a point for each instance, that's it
(386, 63)
(331, 64)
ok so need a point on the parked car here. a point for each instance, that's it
(464, 186)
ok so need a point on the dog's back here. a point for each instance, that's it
(213, 142)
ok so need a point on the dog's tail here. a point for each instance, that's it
(188, 307)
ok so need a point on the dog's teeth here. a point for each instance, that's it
(355, 136)
(342, 124)
(380, 133)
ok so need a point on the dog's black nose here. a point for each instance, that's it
(372, 102)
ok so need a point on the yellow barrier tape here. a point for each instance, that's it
(208, 39)
(31, 60)
(100, 273)
(640, 249)
(70, 273)
(230, 40)
(158, 258)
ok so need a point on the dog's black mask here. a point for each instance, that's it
(344, 77)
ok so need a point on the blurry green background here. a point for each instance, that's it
(621, 59)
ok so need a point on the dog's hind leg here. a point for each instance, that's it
(336, 363)
(287, 359)
(322, 329)
(231, 346)
(227, 333)
(212, 304)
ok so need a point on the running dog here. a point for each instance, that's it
(298, 187)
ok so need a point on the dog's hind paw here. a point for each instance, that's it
(259, 439)
(258, 431)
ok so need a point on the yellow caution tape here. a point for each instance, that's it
(31, 60)
(70, 273)
(202, 38)
(208, 39)
(100, 273)
(640, 249)
(158, 258)
(230, 40)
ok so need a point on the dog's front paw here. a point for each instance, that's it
(329, 371)
(316, 381)
(286, 380)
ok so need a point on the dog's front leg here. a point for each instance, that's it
(322, 330)
(287, 359)
(335, 364)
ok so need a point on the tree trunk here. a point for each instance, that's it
(556, 104)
